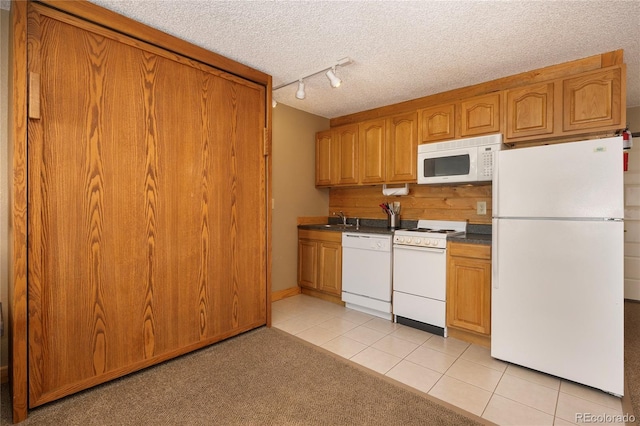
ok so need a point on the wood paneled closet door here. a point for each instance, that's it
(147, 206)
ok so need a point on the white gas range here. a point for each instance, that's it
(420, 274)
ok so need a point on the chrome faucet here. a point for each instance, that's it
(341, 216)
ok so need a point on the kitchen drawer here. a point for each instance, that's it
(476, 251)
(428, 311)
(312, 234)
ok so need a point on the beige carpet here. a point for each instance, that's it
(263, 377)
(269, 377)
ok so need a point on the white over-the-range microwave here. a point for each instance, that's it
(458, 161)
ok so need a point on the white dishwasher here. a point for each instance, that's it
(366, 273)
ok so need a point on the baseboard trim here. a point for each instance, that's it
(324, 296)
(283, 294)
(469, 336)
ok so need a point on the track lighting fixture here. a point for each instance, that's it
(331, 75)
(300, 92)
(330, 72)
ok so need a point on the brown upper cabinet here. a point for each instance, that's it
(530, 111)
(402, 147)
(337, 156)
(347, 154)
(470, 117)
(591, 103)
(372, 152)
(593, 100)
(372, 135)
(480, 115)
(552, 104)
(437, 123)
(325, 159)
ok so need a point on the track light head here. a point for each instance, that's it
(331, 75)
(329, 72)
(300, 92)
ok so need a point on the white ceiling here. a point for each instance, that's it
(401, 50)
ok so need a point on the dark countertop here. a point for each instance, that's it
(476, 234)
(368, 226)
(361, 229)
(471, 238)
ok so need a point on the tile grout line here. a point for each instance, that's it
(395, 328)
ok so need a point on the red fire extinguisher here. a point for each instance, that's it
(627, 142)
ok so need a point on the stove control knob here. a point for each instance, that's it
(418, 241)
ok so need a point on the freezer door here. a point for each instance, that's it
(568, 180)
(557, 299)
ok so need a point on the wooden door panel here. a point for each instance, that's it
(347, 154)
(147, 209)
(324, 158)
(469, 294)
(307, 263)
(330, 267)
(81, 224)
(593, 100)
(248, 208)
(402, 147)
(174, 154)
(480, 115)
(437, 123)
(371, 141)
(530, 111)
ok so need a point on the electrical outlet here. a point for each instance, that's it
(481, 207)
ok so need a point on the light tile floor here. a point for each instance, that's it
(460, 373)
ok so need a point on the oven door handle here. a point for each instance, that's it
(423, 249)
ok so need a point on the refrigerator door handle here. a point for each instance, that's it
(495, 188)
(494, 255)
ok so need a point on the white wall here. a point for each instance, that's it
(632, 212)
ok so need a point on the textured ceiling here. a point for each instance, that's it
(401, 50)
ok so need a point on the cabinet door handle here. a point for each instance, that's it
(34, 95)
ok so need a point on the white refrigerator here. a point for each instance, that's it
(557, 261)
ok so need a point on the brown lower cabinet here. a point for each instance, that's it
(320, 264)
(469, 292)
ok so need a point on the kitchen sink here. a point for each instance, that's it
(338, 226)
